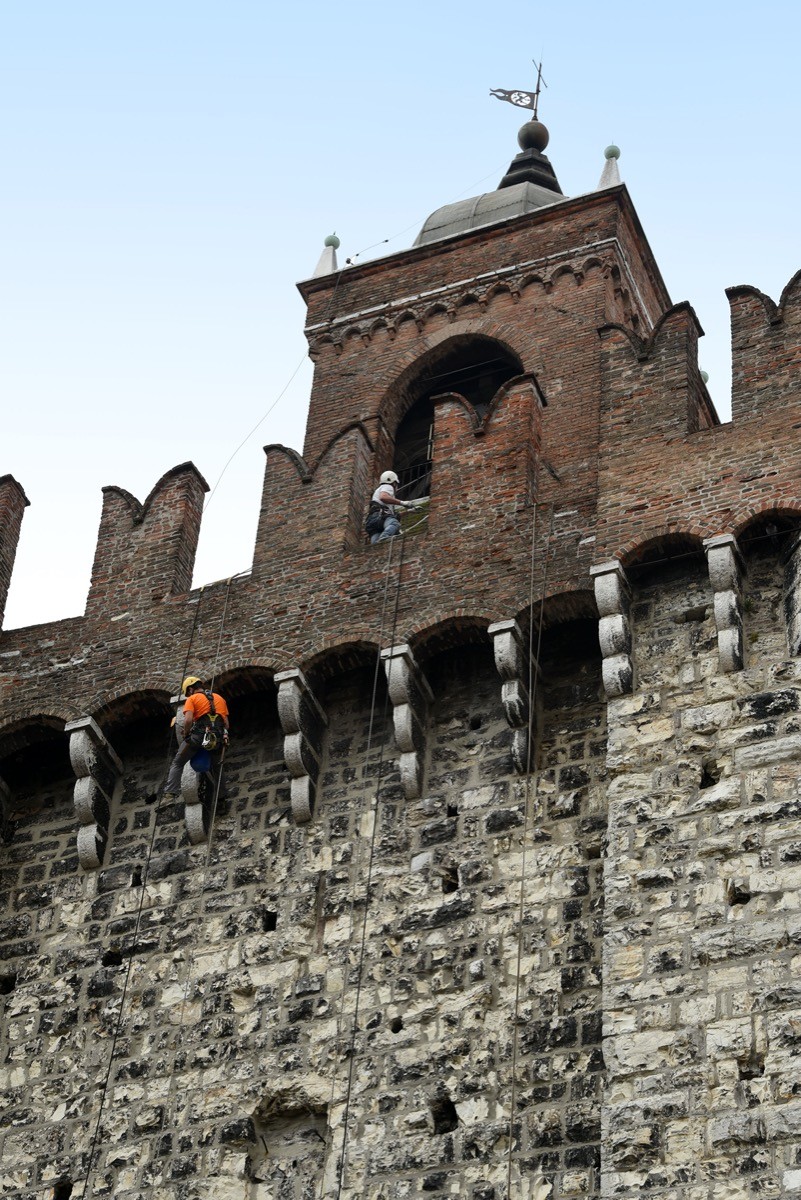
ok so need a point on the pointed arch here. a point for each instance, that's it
(470, 364)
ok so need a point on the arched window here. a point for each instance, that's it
(475, 367)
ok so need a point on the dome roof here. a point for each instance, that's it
(489, 209)
(530, 183)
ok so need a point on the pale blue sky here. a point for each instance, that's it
(170, 170)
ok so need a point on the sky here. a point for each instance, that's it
(171, 168)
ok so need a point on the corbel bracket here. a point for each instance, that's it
(410, 696)
(303, 722)
(725, 574)
(510, 660)
(97, 768)
(613, 598)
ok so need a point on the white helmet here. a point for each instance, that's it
(389, 477)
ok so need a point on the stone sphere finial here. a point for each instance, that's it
(705, 376)
(332, 240)
(612, 151)
(533, 136)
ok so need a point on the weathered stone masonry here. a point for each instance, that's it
(553, 792)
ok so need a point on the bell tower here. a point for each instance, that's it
(498, 303)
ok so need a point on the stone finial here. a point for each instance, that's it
(614, 631)
(98, 768)
(327, 262)
(303, 721)
(610, 176)
(510, 660)
(410, 696)
(725, 566)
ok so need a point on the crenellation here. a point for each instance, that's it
(766, 349)
(146, 552)
(13, 503)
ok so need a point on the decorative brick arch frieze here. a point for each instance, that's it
(239, 676)
(668, 539)
(482, 292)
(97, 768)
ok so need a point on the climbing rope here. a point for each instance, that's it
(170, 1101)
(342, 1163)
(137, 926)
(533, 682)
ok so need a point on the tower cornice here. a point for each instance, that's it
(562, 211)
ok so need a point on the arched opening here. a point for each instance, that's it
(475, 368)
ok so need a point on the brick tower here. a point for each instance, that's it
(502, 901)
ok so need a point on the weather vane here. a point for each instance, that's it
(523, 99)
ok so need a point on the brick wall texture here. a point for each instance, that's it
(581, 981)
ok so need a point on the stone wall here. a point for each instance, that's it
(701, 1004)
(239, 977)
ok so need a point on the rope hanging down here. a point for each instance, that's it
(342, 1163)
(137, 926)
(170, 1100)
(533, 684)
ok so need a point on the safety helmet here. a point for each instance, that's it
(190, 681)
(389, 477)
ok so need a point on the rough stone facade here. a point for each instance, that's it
(503, 900)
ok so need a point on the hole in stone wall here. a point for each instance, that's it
(452, 810)
(710, 773)
(112, 958)
(738, 891)
(62, 1190)
(752, 1067)
(269, 920)
(450, 879)
(443, 1112)
(8, 983)
(151, 798)
(475, 721)
(136, 877)
(288, 1150)
(396, 1025)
